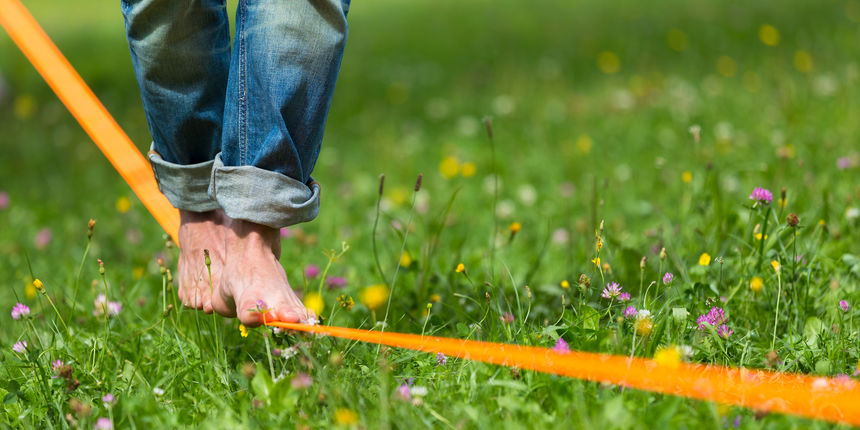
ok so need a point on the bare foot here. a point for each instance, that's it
(253, 278)
(199, 231)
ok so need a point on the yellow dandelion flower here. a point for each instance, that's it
(398, 195)
(38, 284)
(460, 268)
(668, 356)
(596, 261)
(243, 331)
(607, 268)
(515, 227)
(687, 177)
(608, 62)
(565, 284)
(775, 265)
(758, 236)
(30, 291)
(584, 143)
(768, 35)
(435, 298)
(449, 167)
(756, 284)
(405, 259)
(344, 416)
(704, 259)
(802, 61)
(677, 40)
(644, 326)
(374, 296)
(123, 204)
(822, 223)
(314, 302)
(468, 169)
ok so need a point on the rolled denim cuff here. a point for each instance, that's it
(186, 186)
(262, 196)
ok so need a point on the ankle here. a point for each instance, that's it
(194, 217)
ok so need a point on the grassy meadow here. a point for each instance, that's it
(627, 140)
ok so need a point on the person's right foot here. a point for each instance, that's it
(199, 231)
(254, 279)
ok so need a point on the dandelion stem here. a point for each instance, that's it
(373, 235)
(763, 238)
(776, 314)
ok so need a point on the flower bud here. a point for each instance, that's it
(206, 258)
(642, 263)
(90, 226)
(418, 182)
(792, 220)
(381, 183)
(489, 126)
(101, 267)
(663, 253)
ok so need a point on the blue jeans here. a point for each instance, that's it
(237, 129)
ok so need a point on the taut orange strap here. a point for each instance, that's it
(831, 399)
(86, 108)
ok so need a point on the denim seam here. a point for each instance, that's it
(243, 102)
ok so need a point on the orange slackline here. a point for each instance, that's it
(814, 397)
(86, 108)
(830, 399)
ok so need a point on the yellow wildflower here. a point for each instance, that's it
(314, 302)
(374, 296)
(515, 227)
(405, 259)
(584, 143)
(123, 204)
(30, 291)
(608, 62)
(704, 259)
(687, 177)
(756, 284)
(346, 302)
(449, 167)
(644, 326)
(243, 331)
(468, 169)
(727, 66)
(599, 242)
(775, 265)
(344, 416)
(768, 35)
(565, 284)
(758, 236)
(596, 261)
(38, 284)
(607, 268)
(802, 61)
(435, 298)
(460, 268)
(668, 356)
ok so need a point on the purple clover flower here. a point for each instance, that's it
(715, 317)
(441, 360)
(102, 305)
(561, 346)
(312, 271)
(724, 331)
(43, 238)
(103, 424)
(108, 400)
(19, 311)
(844, 306)
(335, 282)
(301, 380)
(20, 347)
(630, 312)
(761, 195)
(667, 278)
(611, 291)
(403, 392)
(57, 365)
(624, 297)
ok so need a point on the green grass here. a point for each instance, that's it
(417, 79)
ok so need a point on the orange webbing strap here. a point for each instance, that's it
(831, 399)
(87, 109)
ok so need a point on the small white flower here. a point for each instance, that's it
(852, 213)
(642, 314)
(158, 391)
(527, 194)
(418, 391)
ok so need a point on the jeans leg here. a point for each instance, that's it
(285, 60)
(180, 51)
